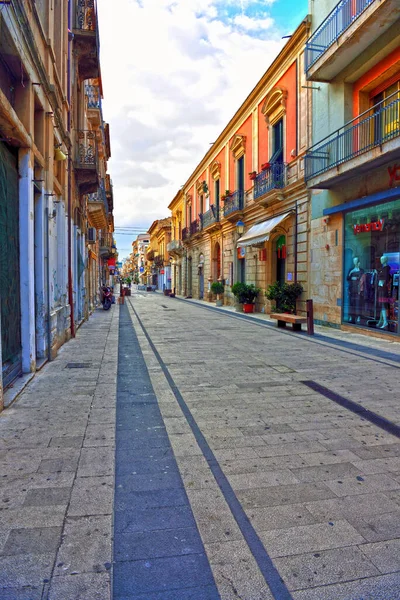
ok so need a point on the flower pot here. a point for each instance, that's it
(265, 166)
(248, 308)
(252, 176)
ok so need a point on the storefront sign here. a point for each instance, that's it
(373, 226)
(241, 252)
(394, 174)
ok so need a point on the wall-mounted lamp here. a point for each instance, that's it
(59, 154)
(240, 227)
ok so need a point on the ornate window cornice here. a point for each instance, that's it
(238, 145)
(274, 107)
(215, 170)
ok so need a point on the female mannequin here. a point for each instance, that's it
(353, 277)
(384, 280)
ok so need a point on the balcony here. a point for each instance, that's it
(195, 227)
(92, 93)
(210, 219)
(273, 178)
(351, 27)
(109, 193)
(185, 233)
(86, 39)
(234, 203)
(98, 208)
(106, 245)
(86, 162)
(369, 140)
(175, 247)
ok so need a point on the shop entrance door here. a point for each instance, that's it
(201, 283)
(9, 267)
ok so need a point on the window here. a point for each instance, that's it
(217, 193)
(240, 174)
(386, 109)
(277, 142)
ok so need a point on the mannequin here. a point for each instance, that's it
(384, 281)
(353, 277)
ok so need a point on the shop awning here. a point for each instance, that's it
(260, 233)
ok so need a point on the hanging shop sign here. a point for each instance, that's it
(394, 174)
(372, 226)
(241, 252)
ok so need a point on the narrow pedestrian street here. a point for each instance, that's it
(178, 451)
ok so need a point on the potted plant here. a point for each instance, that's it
(284, 295)
(226, 195)
(265, 166)
(217, 288)
(253, 175)
(246, 293)
(237, 291)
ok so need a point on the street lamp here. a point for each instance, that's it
(240, 227)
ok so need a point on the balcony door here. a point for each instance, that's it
(277, 142)
(240, 174)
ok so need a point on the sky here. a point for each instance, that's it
(174, 72)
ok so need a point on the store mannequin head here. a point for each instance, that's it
(384, 260)
(356, 262)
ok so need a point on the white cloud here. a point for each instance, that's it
(174, 72)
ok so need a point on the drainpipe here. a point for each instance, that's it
(70, 283)
(47, 236)
(295, 246)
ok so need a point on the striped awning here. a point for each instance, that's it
(260, 233)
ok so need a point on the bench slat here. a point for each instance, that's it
(288, 318)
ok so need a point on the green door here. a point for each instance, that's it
(9, 266)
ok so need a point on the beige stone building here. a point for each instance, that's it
(54, 147)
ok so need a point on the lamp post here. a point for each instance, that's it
(239, 231)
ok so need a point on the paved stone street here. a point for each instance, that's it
(176, 451)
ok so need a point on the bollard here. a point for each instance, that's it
(310, 317)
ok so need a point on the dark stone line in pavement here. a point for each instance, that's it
(355, 408)
(158, 551)
(264, 561)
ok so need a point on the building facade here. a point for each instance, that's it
(353, 165)
(253, 174)
(49, 163)
(157, 255)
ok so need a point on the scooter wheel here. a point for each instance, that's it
(107, 304)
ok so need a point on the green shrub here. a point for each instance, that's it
(284, 295)
(217, 287)
(245, 292)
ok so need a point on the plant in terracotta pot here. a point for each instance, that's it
(284, 295)
(253, 175)
(217, 288)
(246, 293)
(265, 166)
(237, 291)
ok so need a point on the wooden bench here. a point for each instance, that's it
(284, 318)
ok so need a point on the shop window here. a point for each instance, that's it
(371, 267)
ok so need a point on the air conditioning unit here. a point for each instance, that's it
(91, 235)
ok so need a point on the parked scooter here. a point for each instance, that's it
(107, 297)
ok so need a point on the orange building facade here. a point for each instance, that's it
(253, 174)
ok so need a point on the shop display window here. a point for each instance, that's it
(371, 267)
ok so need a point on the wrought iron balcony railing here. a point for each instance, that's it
(210, 216)
(372, 128)
(341, 17)
(86, 15)
(234, 202)
(271, 179)
(185, 233)
(99, 196)
(195, 227)
(174, 246)
(93, 95)
(87, 149)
